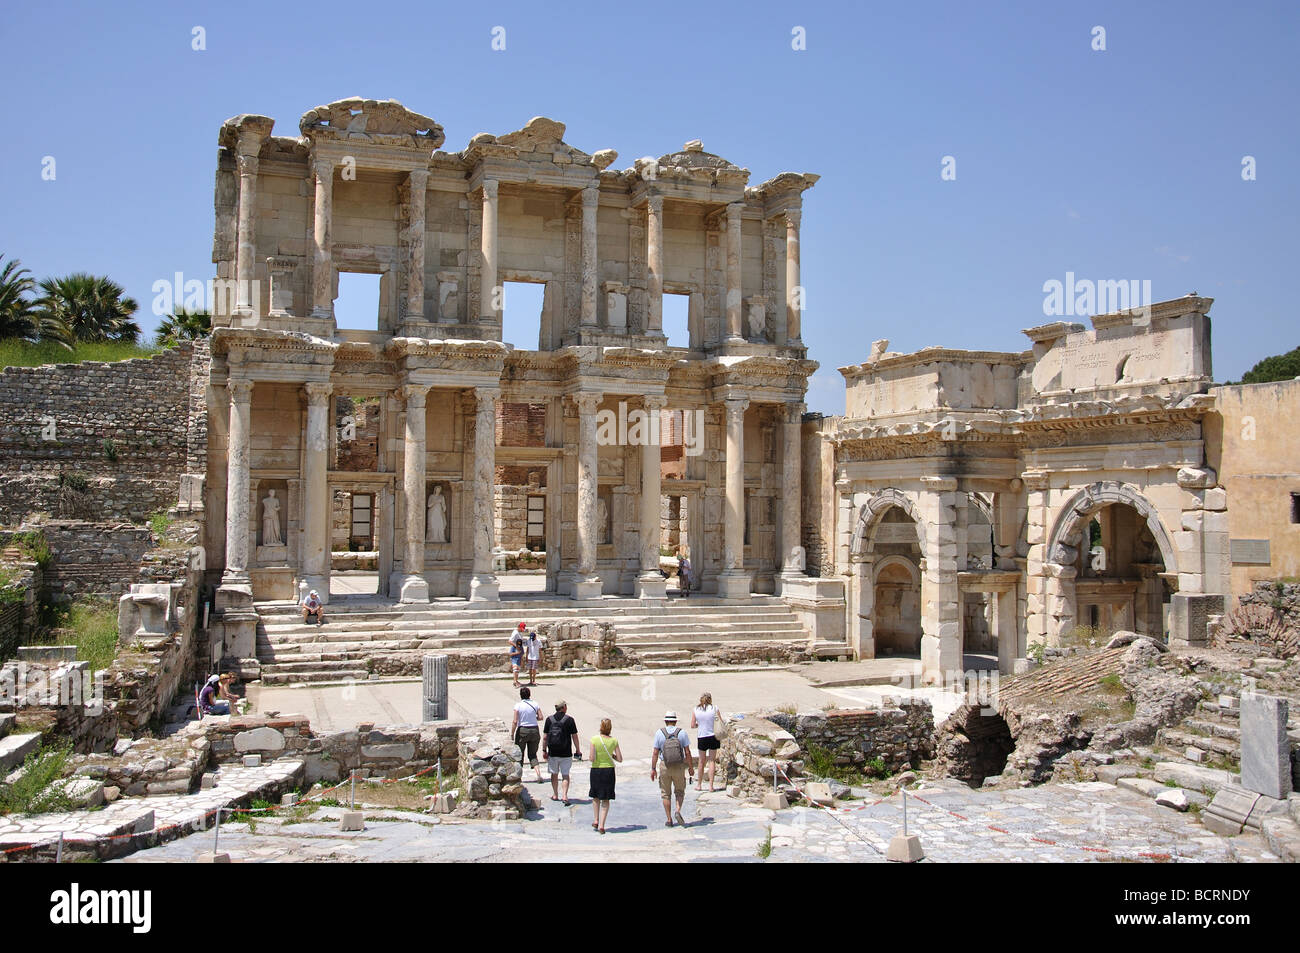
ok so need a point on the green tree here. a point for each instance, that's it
(1279, 367)
(19, 316)
(184, 326)
(92, 308)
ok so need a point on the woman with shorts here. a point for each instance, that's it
(705, 721)
(604, 752)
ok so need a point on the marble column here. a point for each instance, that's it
(316, 515)
(483, 586)
(489, 294)
(651, 584)
(586, 584)
(590, 263)
(240, 392)
(418, 182)
(246, 300)
(735, 335)
(654, 260)
(792, 563)
(322, 246)
(733, 582)
(414, 586)
(793, 292)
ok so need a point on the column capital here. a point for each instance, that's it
(414, 394)
(794, 412)
(247, 163)
(323, 166)
(586, 401)
(653, 402)
(735, 407)
(240, 390)
(318, 392)
(485, 398)
(655, 202)
(418, 178)
(590, 195)
(490, 187)
(792, 218)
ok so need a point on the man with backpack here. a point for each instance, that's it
(559, 748)
(673, 747)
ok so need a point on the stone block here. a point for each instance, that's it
(252, 760)
(1194, 776)
(1173, 798)
(208, 857)
(1231, 808)
(905, 849)
(259, 739)
(1265, 748)
(1189, 615)
(352, 821)
(775, 801)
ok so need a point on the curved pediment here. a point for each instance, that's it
(377, 120)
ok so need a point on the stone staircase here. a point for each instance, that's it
(1212, 735)
(663, 636)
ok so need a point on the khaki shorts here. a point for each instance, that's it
(672, 776)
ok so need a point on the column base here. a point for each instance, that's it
(319, 582)
(587, 587)
(414, 589)
(733, 584)
(483, 587)
(651, 585)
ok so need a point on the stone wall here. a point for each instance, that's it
(93, 559)
(901, 736)
(491, 772)
(751, 748)
(19, 605)
(125, 431)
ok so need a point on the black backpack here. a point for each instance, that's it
(556, 735)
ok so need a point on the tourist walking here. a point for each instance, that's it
(673, 747)
(517, 651)
(604, 753)
(706, 720)
(559, 748)
(533, 653)
(526, 731)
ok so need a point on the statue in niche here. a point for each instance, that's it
(758, 322)
(271, 521)
(437, 518)
(602, 520)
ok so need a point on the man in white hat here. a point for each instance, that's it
(312, 606)
(672, 747)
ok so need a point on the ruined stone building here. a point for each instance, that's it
(986, 501)
(415, 425)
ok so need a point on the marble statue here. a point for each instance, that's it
(437, 517)
(271, 521)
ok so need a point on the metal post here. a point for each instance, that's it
(58, 851)
(216, 838)
(353, 805)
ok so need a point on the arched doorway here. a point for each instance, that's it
(897, 606)
(1112, 564)
(886, 559)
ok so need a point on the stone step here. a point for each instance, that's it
(14, 749)
(827, 649)
(1180, 741)
(1215, 729)
(328, 675)
(521, 609)
(627, 626)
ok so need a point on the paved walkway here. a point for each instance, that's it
(1112, 823)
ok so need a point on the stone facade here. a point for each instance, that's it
(1015, 497)
(363, 189)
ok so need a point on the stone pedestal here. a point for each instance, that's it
(1189, 614)
(1265, 748)
(905, 849)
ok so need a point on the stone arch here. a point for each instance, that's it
(869, 516)
(1082, 506)
(912, 570)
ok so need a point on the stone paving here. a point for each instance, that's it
(150, 819)
(719, 829)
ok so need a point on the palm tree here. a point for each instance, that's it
(184, 325)
(19, 317)
(93, 308)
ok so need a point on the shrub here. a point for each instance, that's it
(36, 790)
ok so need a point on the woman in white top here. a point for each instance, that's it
(526, 731)
(705, 721)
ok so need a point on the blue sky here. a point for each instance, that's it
(1116, 164)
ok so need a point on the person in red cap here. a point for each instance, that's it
(517, 651)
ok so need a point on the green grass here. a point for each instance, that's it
(94, 625)
(159, 523)
(16, 353)
(765, 847)
(35, 792)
